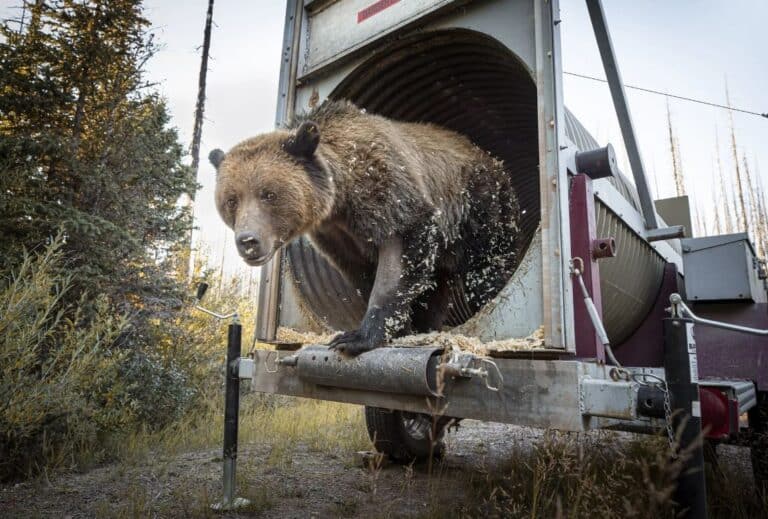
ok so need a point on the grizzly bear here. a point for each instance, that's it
(405, 211)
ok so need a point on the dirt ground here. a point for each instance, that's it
(303, 484)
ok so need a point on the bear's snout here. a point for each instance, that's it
(251, 248)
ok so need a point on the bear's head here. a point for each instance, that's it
(271, 189)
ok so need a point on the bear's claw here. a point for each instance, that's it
(352, 343)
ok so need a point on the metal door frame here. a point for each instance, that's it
(557, 298)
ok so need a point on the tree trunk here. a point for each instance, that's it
(197, 132)
(200, 108)
(742, 209)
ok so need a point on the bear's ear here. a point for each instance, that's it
(216, 157)
(304, 142)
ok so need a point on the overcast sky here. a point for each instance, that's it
(685, 47)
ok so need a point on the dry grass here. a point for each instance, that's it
(564, 475)
(598, 474)
(280, 422)
(576, 475)
(559, 475)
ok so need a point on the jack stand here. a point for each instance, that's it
(231, 404)
(231, 415)
(682, 374)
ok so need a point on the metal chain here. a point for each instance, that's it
(620, 372)
(668, 418)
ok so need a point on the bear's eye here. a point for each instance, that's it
(231, 203)
(268, 196)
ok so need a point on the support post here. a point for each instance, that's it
(613, 75)
(682, 376)
(557, 307)
(231, 415)
(267, 315)
(583, 233)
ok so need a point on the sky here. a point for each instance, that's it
(684, 47)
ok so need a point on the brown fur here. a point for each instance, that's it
(447, 206)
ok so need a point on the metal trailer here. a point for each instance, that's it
(601, 272)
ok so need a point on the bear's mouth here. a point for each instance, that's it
(257, 261)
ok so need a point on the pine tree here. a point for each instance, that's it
(86, 147)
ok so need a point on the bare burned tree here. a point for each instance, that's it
(741, 209)
(677, 163)
(197, 132)
(728, 211)
(200, 108)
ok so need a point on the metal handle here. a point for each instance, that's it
(498, 376)
(678, 304)
(202, 288)
(218, 316)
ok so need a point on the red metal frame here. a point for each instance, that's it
(645, 347)
(583, 233)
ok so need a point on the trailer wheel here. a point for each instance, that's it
(406, 437)
(758, 422)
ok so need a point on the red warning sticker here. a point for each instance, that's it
(374, 9)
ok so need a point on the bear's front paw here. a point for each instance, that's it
(354, 343)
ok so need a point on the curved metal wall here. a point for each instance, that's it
(470, 83)
(629, 282)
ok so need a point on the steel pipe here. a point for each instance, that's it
(411, 371)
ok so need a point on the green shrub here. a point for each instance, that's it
(75, 379)
(156, 391)
(54, 369)
(70, 385)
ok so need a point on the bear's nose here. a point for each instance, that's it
(247, 242)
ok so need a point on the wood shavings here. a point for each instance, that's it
(449, 340)
(290, 335)
(446, 340)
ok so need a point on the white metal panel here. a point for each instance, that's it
(269, 286)
(508, 21)
(553, 175)
(517, 310)
(346, 26)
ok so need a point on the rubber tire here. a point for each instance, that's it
(758, 422)
(388, 432)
